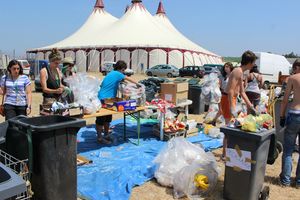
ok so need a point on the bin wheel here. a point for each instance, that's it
(265, 193)
(279, 147)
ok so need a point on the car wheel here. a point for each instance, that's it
(169, 75)
(149, 73)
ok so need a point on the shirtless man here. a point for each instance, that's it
(292, 123)
(235, 85)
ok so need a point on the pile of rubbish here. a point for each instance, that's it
(152, 87)
(254, 123)
(187, 168)
(211, 92)
(85, 89)
(131, 91)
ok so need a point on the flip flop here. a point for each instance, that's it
(103, 141)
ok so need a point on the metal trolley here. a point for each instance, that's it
(20, 168)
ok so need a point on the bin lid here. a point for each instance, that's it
(48, 123)
(260, 136)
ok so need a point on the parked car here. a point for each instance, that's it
(37, 84)
(26, 66)
(36, 66)
(212, 68)
(194, 71)
(107, 67)
(163, 70)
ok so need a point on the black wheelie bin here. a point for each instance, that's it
(246, 159)
(50, 144)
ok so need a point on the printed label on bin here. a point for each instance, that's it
(239, 160)
(168, 97)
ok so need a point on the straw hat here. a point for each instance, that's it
(68, 60)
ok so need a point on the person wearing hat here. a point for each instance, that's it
(51, 79)
(68, 67)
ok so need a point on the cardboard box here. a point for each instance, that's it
(125, 105)
(174, 92)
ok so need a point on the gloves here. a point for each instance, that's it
(138, 85)
(282, 121)
(253, 111)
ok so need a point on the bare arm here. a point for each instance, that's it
(43, 79)
(29, 99)
(231, 93)
(261, 81)
(243, 94)
(286, 98)
(131, 80)
(29, 95)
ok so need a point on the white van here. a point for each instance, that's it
(270, 65)
(26, 66)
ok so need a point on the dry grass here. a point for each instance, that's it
(152, 190)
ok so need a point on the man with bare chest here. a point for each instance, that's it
(235, 85)
(292, 123)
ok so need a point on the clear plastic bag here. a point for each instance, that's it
(131, 91)
(178, 154)
(211, 113)
(211, 92)
(196, 181)
(85, 89)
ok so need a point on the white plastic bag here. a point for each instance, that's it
(196, 181)
(85, 89)
(178, 154)
(211, 113)
(211, 92)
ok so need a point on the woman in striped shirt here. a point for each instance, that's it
(16, 88)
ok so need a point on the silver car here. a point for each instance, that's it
(163, 70)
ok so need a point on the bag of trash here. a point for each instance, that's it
(211, 113)
(177, 154)
(85, 89)
(196, 181)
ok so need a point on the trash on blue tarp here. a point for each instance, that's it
(118, 167)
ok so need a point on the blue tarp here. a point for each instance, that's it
(117, 168)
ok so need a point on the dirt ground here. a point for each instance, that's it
(152, 190)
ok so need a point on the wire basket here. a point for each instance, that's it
(21, 169)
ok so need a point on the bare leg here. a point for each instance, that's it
(99, 129)
(107, 131)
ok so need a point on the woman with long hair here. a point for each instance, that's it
(51, 79)
(16, 89)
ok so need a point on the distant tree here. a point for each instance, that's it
(291, 55)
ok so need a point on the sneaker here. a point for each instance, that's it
(280, 183)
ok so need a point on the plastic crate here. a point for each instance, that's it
(20, 168)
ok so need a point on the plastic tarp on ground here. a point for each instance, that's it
(117, 168)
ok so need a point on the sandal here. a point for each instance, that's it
(103, 140)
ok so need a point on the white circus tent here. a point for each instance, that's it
(138, 38)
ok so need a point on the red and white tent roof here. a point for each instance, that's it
(88, 33)
(137, 28)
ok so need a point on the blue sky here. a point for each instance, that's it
(226, 27)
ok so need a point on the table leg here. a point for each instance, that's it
(187, 111)
(162, 124)
(139, 126)
(124, 127)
